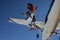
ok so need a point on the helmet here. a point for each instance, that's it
(30, 4)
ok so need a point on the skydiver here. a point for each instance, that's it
(30, 16)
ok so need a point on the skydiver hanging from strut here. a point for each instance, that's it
(30, 16)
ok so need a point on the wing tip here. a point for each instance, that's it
(10, 20)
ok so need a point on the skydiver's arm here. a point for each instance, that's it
(27, 15)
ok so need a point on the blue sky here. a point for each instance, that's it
(14, 9)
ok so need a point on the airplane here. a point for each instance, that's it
(51, 23)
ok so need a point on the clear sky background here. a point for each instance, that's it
(14, 9)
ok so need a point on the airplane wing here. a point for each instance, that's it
(25, 22)
(52, 22)
(18, 21)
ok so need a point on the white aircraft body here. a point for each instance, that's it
(51, 24)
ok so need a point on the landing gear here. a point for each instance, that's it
(37, 35)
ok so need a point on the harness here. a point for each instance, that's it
(33, 18)
(29, 14)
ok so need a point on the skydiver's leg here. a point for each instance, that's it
(30, 25)
(33, 25)
(36, 26)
